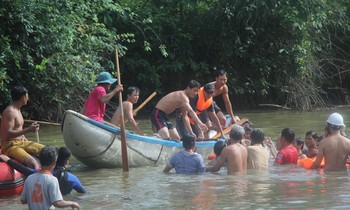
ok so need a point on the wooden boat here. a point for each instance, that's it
(98, 145)
(11, 181)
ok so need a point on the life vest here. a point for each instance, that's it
(201, 104)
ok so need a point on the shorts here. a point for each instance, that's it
(21, 149)
(216, 107)
(180, 126)
(161, 119)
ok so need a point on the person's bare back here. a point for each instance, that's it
(335, 149)
(172, 101)
(236, 156)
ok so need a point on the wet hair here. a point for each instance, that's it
(334, 127)
(314, 135)
(237, 132)
(63, 156)
(248, 129)
(299, 142)
(193, 84)
(288, 134)
(17, 92)
(257, 136)
(48, 155)
(218, 147)
(220, 72)
(132, 89)
(188, 141)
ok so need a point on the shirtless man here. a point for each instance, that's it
(133, 94)
(235, 154)
(13, 142)
(334, 148)
(167, 105)
(222, 89)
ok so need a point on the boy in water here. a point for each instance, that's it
(133, 94)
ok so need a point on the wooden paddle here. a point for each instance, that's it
(42, 122)
(125, 163)
(144, 103)
(228, 129)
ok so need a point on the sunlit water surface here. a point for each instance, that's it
(148, 188)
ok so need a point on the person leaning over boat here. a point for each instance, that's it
(287, 153)
(178, 99)
(133, 94)
(41, 190)
(235, 154)
(187, 161)
(222, 89)
(95, 105)
(203, 101)
(67, 180)
(13, 141)
(335, 148)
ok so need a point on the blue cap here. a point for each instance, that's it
(105, 77)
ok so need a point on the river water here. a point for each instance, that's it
(148, 188)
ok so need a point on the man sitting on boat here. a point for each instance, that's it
(133, 94)
(178, 99)
(187, 161)
(203, 101)
(13, 141)
(335, 148)
(95, 105)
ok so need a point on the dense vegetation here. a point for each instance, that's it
(292, 53)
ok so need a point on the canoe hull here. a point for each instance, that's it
(98, 145)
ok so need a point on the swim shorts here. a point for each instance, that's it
(161, 119)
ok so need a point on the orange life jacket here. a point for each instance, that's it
(201, 104)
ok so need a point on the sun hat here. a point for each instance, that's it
(105, 77)
(209, 88)
(336, 119)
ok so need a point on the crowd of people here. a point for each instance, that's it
(196, 113)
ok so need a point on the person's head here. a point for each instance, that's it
(218, 147)
(237, 132)
(104, 78)
(208, 90)
(221, 77)
(247, 132)
(188, 141)
(247, 124)
(133, 94)
(335, 122)
(257, 136)
(18, 93)
(63, 156)
(311, 139)
(298, 143)
(288, 134)
(48, 156)
(192, 88)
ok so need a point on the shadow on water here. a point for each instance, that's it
(149, 188)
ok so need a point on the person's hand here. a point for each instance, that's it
(200, 136)
(234, 120)
(119, 88)
(268, 141)
(34, 127)
(5, 158)
(203, 127)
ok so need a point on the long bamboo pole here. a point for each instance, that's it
(144, 103)
(125, 163)
(41, 122)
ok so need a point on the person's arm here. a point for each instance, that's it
(228, 104)
(63, 204)
(77, 185)
(195, 118)
(130, 118)
(104, 99)
(219, 162)
(167, 169)
(271, 146)
(216, 121)
(17, 166)
(186, 121)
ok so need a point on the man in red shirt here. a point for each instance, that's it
(287, 154)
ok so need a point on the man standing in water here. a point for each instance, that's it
(133, 94)
(222, 89)
(235, 154)
(13, 142)
(178, 99)
(287, 153)
(335, 148)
